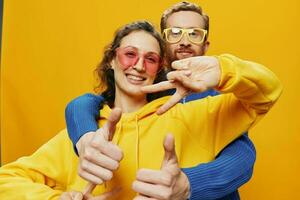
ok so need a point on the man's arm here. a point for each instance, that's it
(226, 174)
(231, 169)
(81, 116)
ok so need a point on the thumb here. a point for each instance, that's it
(170, 153)
(111, 123)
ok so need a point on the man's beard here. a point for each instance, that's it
(185, 52)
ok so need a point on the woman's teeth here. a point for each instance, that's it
(136, 78)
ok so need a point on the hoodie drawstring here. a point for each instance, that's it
(117, 137)
(137, 143)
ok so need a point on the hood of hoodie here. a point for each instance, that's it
(148, 109)
(133, 118)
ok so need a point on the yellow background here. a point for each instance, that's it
(50, 48)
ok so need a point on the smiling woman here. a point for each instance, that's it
(136, 64)
(131, 62)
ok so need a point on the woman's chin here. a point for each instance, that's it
(135, 90)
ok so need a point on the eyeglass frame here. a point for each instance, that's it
(147, 69)
(185, 31)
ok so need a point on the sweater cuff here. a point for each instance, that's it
(194, 175)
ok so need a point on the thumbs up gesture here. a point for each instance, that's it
(98, 156)
(165, 184)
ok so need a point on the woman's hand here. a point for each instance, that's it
(98, 156)
(74, 195)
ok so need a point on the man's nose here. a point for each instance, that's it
(184, 40)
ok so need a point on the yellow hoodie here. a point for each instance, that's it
(201, 129)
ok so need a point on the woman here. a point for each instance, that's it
(132, 61)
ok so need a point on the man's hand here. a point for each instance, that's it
(98, 156)
(73, 195)
(169, 183)
(195, 74)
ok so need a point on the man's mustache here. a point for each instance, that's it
(185, 50)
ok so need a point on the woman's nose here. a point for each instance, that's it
(139, 66)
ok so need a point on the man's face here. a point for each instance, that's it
(185, 48)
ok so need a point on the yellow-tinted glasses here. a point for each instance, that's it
(194, 35)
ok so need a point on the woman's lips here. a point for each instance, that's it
(135, 79)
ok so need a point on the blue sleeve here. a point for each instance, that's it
(81, 116)
(221, 178)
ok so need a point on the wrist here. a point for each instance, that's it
(186, 185)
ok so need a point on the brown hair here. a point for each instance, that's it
(184, 6)
(104, 72)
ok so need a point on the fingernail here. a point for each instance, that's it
(187, 73)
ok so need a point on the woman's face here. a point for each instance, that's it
(136, 63)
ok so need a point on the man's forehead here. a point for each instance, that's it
(185, 19)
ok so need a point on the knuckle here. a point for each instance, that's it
(117, 152)
(84, 166)
(167, 179)
(97, 181)
(167, 194)
(108, 175)
(80, 172)
(95, 143)
(115, 165)
(87, 155)
(140, 173)
(134, 185)
(121, 155)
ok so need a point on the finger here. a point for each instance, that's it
(96, 170)
(181, 64)
(175, 98)
(104, 161)
(151, 190)
(66, 196)
(89, 177)
(169, 147)
(154, 177)
(108, 195)
(109, 149)
(178, 74)
(77, 196)
(111, 123)
(161, 86)
(142, 197)
(187, 82)
(88, 189)
(113, 151)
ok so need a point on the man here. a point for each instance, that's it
(185, 28)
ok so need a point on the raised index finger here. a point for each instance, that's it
(164, 85)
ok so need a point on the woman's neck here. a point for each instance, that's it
(128, 103)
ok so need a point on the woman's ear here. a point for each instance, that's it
(112, 63)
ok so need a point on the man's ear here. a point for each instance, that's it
(205, 46)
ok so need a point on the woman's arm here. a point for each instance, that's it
(43, 175)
